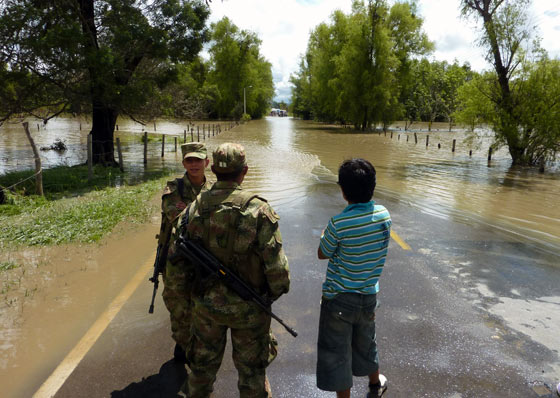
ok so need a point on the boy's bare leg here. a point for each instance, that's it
(374, 377)
(343, 394)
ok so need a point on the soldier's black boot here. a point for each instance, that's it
(179, 354)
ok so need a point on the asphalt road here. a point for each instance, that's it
(450, 322)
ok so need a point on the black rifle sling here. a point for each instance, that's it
(181, 187)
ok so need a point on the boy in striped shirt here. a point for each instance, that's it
(355, 243)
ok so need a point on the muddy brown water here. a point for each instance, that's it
(521, 201)
(65, 288)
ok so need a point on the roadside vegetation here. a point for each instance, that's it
(73, 208)
(108, 59)
(370, 68)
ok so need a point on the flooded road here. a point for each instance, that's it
(477, 233)
(521, 201)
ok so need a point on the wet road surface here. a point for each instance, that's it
(472, 310)
(438, 334)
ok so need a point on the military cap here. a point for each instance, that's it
(228, 158)
(194, 150)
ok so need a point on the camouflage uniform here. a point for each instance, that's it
(240, 229)
(179, 310)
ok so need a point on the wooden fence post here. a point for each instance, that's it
(198, 133)
(192, 134)
(145, 147)
(90, 156)
(175, 144)
(427, 140)
(489, 154)
(119, 151)
(184, 136)
(415, 138)
(162, 145)
(38, 170)
(453, 148)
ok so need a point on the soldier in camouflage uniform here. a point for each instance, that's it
(241, 230)
(178, 194)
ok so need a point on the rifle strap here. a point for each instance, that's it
(181, 186)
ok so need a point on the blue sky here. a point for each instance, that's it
(284, 26)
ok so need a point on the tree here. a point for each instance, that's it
(540, 111)
(474, 104)
(301, 91)
(352, 68)
(103, 57)
(504, 32)
(365, 66)
(237, 69)
(409, 43)
(455, 76)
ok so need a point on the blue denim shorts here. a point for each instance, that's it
(346, 345)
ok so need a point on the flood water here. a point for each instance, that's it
(286, 158)
(521, 201)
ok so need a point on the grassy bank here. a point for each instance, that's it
(73, 208)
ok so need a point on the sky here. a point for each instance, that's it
(284, 27)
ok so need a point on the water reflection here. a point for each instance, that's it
(286, 156)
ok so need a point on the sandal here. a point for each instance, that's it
(378, 389)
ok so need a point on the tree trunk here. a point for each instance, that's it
(104, 119)
(365, 119)
(38, 169)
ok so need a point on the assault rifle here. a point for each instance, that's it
(197, 255)
(161, 257)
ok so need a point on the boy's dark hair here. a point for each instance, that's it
(356, 177)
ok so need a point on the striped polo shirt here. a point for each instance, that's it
(356, 242)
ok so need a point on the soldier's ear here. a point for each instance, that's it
(207, 162)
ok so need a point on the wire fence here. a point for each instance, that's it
(117, 156)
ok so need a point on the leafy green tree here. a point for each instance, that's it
(351, 70)
(301, 92)
(540, 110)
(365, 66)
(454, 77)
(103, 57)
(474, 104)
(409, 44)
(504, 31)
(238, 70)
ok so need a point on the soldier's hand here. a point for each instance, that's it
(180, 206)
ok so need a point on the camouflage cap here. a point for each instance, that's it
(194, 150)
(228, 158)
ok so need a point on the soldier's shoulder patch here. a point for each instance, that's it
(169, 188)
(271, 214)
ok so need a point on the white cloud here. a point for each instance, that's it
(284, 28)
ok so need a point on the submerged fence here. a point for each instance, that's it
(191, 134)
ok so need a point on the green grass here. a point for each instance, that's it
(73, 209)
(6, 265)
(61, 181)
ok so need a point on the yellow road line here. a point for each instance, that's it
(399, 240)
(67, 366)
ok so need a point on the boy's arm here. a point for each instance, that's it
(328, 242)
(320, 254)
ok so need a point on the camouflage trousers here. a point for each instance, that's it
(179, 306)
(253, 348)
